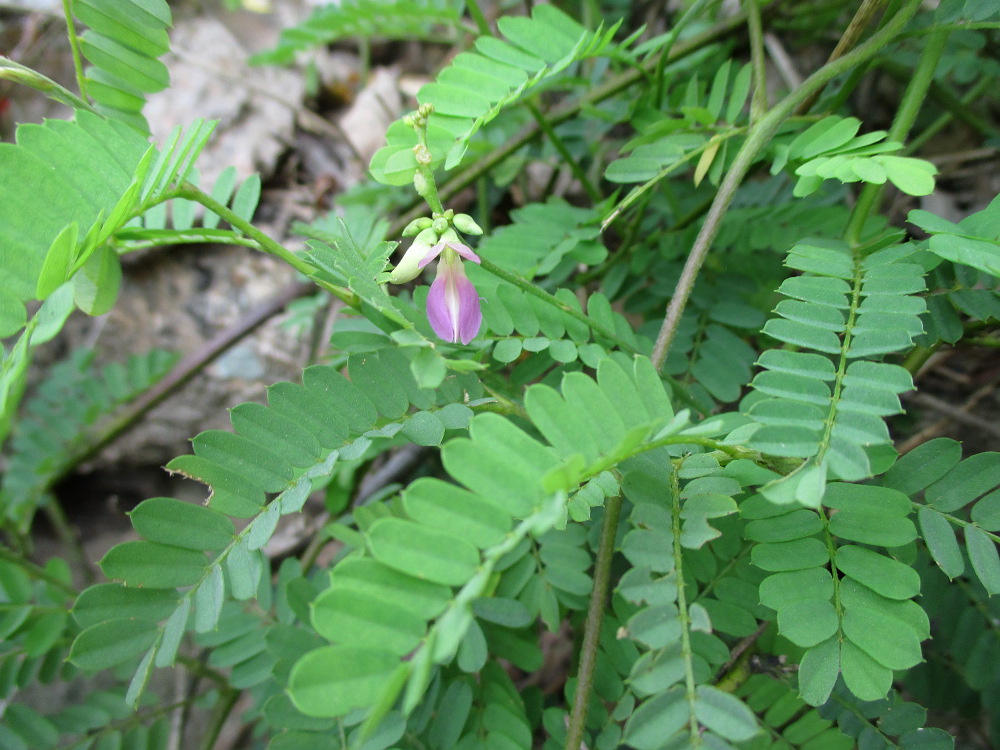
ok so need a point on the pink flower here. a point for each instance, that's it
(452, 303)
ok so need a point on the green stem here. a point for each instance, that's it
(758, 137)
(74, 45)
(982, 86)
(758, 105)
(687, 654)
(268, 245)
(664, 57)
(918, 357)
(592, 629)
(477, 15)
(218, 718)
(567, 157)
(913, 98)
(17, 73)
(848, 41)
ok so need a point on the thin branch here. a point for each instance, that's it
(592, 628)
(757, 139)
(847, 42)
(758, 105)
(913, 99)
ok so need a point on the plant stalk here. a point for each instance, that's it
(592, 629)
(913, 99)
(758, 137)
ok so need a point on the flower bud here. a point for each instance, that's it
(417, 225)
(466, 224)
(409, 265)
(449, 235)
(441, 225)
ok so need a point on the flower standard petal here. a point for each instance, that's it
(470, 315)
(437, 310)
(432, 254)
(452, 302)
(464, 250)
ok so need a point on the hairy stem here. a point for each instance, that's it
(758, 105)
(758, 137)
(592, 630)
(909, 107)
(848, 41)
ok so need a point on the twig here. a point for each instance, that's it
(848, 41)
(757, 139)
(592, 628)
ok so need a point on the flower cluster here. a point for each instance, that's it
(452, 303)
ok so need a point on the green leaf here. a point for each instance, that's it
(656, 719)
(332, 680)
(984, 558)
(940, 538)
(153, 565)
(724, 713)
(169, 521)
(109, 643)
(95, 287)
(110, 601)
(58, 263)
(13, 314)
(440, 505)
(865, 677)
(881, 574)
(818, 672)
(355, 618)
(424, 553)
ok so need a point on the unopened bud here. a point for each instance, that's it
(417, 225)
(409, 265)
(466, 224)
(441, 225)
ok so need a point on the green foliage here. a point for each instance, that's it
(654, 503)
(826, 401)
(832, 148)
(397, 19)
(122, 42)
(473, 89)
(61, 421)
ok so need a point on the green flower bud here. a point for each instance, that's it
(440, 225)
(449, 235)
(465, 223)
(449, 214)
(417, 225)
(408, 267)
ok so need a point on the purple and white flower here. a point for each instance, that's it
(453, 303)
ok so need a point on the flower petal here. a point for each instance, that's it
(464, 250)
(431, 254)
(437, 311)
(470, 315)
